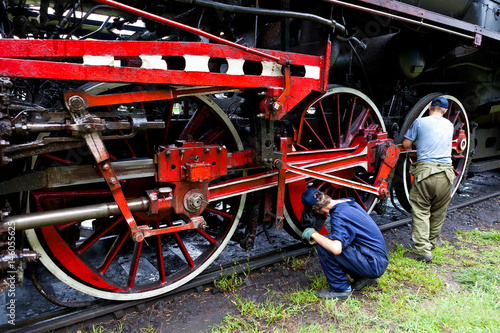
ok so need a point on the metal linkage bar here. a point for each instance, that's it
(188, 28)
(321, 162)
(476, 31)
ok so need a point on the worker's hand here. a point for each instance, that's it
(306, 235)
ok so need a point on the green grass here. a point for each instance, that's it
(231, 281)
(296, 263)
(458, 292)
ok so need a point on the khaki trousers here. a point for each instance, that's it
(429, 201)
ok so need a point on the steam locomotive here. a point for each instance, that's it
(137, 138)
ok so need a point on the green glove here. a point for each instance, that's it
(307, 235)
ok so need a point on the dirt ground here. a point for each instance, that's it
(199, 311)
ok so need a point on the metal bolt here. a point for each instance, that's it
(76, 103)
(203, 225)
(113, 180)
(138, 237)
(106, 166)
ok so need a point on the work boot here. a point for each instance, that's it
(363, 282)
(329, 293)
(418, 257)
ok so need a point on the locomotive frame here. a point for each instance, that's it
(116, 142)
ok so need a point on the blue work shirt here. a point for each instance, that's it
(433, 137)
(352, 226)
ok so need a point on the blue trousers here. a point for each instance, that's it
(358, 262)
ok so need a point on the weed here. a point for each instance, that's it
(98, 329)
(149, 329)
(231, 281)
(296, 263)
(318, 281)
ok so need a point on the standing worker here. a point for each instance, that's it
(354, 245)
(433, 177)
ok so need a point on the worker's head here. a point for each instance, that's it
(315, 199)
(439, 104)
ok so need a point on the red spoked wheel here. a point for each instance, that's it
(97, 256)
(334, 120)
(460, 156)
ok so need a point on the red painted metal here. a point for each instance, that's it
(195, 31)
(72, 262)
(389, 157)
(317, 163)
(183, 248)
(193, 162)
(97, 235)
(134, 264)
(282, 168)
(111, 255)
(17, 59)
(195, 223)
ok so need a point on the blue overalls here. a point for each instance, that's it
(364, 254)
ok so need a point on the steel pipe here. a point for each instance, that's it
(66, 215)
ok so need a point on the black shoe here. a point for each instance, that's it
(363, 282)
(418, 257)
(332, 294)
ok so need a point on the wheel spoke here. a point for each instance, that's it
(97, 235)
(336, 121)
(313, 132)
(219, 212)
(183, 248)
(347, 123)
(207, 236)
(325, 122)
(113, 251)
(194, 123)
(358, 124)
(159, 254)
(134, 264)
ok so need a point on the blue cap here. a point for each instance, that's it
(440, 101)
(308, 198)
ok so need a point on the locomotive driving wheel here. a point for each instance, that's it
(334, 120)
(98, 257)
(457, 115)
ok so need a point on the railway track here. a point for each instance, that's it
(68, 319)
(63, 320)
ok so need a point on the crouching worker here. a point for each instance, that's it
(354, 245)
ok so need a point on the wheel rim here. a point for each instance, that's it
(105, 263)
(457, 115)
(333, 121)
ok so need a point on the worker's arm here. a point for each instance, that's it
(333, 246)
(407, 143)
